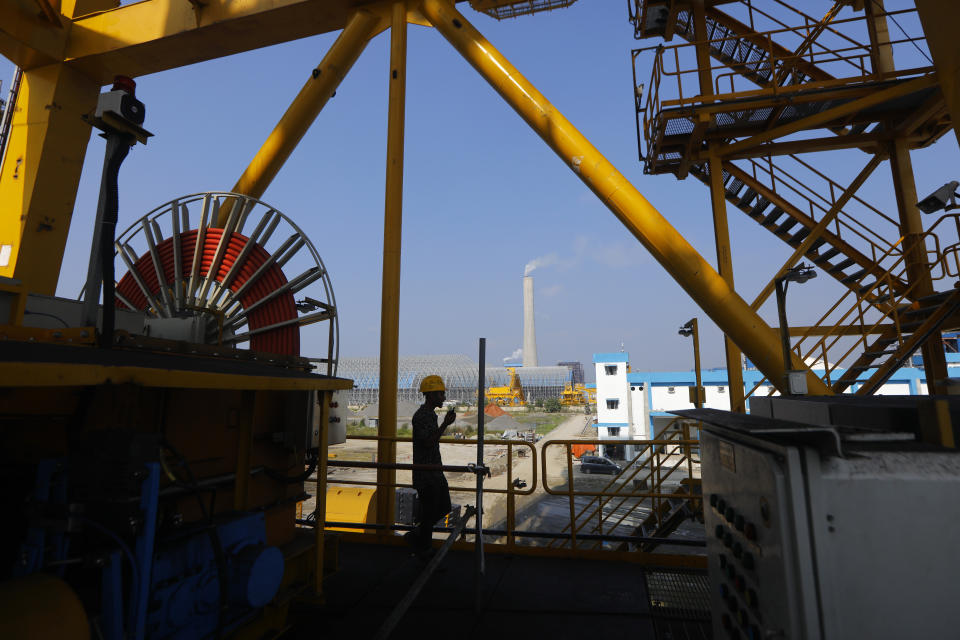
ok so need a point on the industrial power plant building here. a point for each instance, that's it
(459, 372)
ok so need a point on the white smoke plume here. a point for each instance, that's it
(516, 355)
(542, 261)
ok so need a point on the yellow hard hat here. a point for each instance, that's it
(432, 383)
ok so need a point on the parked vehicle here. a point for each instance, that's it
(597, 464)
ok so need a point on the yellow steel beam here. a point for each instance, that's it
(28, 39)
(845, 330)
(62, 374)
(390, 297)
(322, 84)
(320, 505)
(40, 173)
(939, 20)
(155, 35)
(821, 119)
(707, 288)
(721, 232)
(915, 257)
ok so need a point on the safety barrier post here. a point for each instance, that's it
(481, 405)
(511, 498)
(320, 504)
(573, 516)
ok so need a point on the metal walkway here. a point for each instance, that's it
(524, 596)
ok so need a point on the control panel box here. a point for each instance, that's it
(806, 543)
(758, 555)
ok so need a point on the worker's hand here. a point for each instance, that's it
(449, 418)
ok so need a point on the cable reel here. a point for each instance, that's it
(227, 285)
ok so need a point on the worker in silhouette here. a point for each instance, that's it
(431, 485)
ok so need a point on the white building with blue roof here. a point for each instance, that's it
(621, 410)
(636, 405)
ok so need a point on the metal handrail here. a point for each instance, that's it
(446, 468)
(647, 447)
(856, 51)
(629, 465)
(856, 55)
(802, 189)
(938, 267)
(510, 533)
(887, 310)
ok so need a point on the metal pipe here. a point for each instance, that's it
(401, 609)
(196, 264)
(390, 292)
(704, 285)
(781, 286)
(481, 405)
(320, 508)
(177, 257)
(406, 466)
(301, 113)
(683, 542)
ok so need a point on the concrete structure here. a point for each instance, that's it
(615, 418)
(529, 330)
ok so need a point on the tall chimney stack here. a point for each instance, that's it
(529, 331)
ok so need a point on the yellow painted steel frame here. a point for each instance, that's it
(390, 296)
(714, 295)
(60, 374)
(41, 171)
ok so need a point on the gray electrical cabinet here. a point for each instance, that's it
(829, 531)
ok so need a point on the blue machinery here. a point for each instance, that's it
(196, 582)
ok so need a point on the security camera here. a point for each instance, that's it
(121, 102)
(119, 111)
(942, 198)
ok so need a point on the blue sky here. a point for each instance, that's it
(483, 195)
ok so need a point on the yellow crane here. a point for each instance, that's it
(577, 395)
(510, 395)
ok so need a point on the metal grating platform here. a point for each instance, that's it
(679, 603)
(558, 597)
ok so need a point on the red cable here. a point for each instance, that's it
(284, 340)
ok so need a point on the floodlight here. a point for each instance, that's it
(799, 274)
(943, 198)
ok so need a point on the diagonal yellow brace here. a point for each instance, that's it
(814, 234)
(301, 113)
(731, 313)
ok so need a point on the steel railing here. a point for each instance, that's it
(676, 67)
(655, 462)
(660, 465)
(875, 308)
(817, 192)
